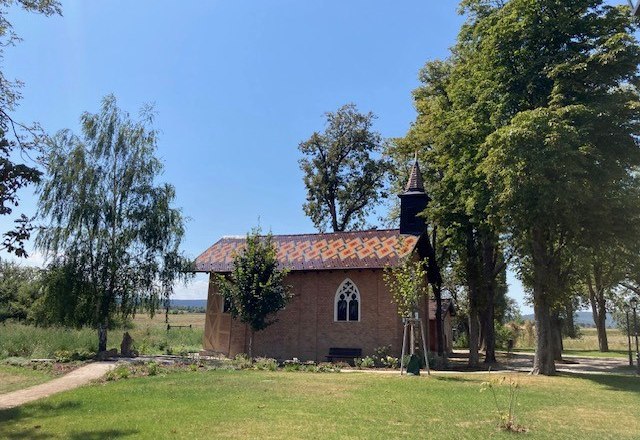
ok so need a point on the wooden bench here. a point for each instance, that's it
(344, 354)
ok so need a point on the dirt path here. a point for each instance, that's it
(76, 378)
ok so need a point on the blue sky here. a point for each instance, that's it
(236, 84)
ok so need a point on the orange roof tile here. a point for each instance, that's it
(338, 250)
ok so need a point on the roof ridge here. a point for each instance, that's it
(302, 234)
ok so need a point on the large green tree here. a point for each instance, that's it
(19, 141)
(255, 290)
(344, 173)
(560, 81)
(109, 222)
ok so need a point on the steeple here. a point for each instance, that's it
(415, 183)
(413, 201)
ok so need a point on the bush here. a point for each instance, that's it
(462, 341)
(121, 371)
(505, 333)
(365, 362)
(152, 369)
(75, 355)
(241, 361)
(265, 364)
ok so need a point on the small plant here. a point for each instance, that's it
(506, 413)
(193, 367)
(152, 369)
(241, 361)
(267, 364)
(365, 362)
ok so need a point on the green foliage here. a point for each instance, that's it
(121, 371)
(343, 171)
(242, 361)
(152, 369)
(19, 288)
(365, 362)
(266, 364)
(38, 342)
(109, 223)
(407, 284)
(17, 139)
(382, 359)
(256, 288)
(73, 355)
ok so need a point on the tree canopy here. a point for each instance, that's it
(530, 130)
(108, 221)
(343, 171)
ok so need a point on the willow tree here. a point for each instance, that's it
(19, 141)
(107, 219)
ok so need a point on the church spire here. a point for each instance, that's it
(415, 183)
(413, 201)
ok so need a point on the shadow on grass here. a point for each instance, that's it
(455, 379)
(614, 382)
(36, 413)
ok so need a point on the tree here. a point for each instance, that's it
(108, 222)
(343, 176)
(19, 288)
(562, 78)
(17, 137)
(255, 289)
(407, 284)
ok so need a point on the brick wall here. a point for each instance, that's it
(306, 328)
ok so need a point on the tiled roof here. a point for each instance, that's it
(338, 250)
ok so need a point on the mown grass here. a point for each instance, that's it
(150, 337)
(14, 377)
(273, 405)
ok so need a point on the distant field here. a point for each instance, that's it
(150, 336)
(587, 344)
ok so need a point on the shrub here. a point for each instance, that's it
(462, 341)
(365, 362)
(265, 364)
(241, 361)
(17, 361)
(152, 368)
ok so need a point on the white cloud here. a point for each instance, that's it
(196, 289)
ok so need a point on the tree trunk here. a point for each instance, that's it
(473, 285)
(474, 333)
(489, 276)
(570, 325)
(102, 337)
(439, 325)
(599, 311)
(556, 335)
(543, 362)
(251, 345)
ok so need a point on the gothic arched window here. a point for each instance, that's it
(347, 302)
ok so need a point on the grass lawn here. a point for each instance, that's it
(257, 404)
(14, 378)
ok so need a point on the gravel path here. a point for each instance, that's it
(74, 379)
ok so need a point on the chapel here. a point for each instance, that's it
(340, 300)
